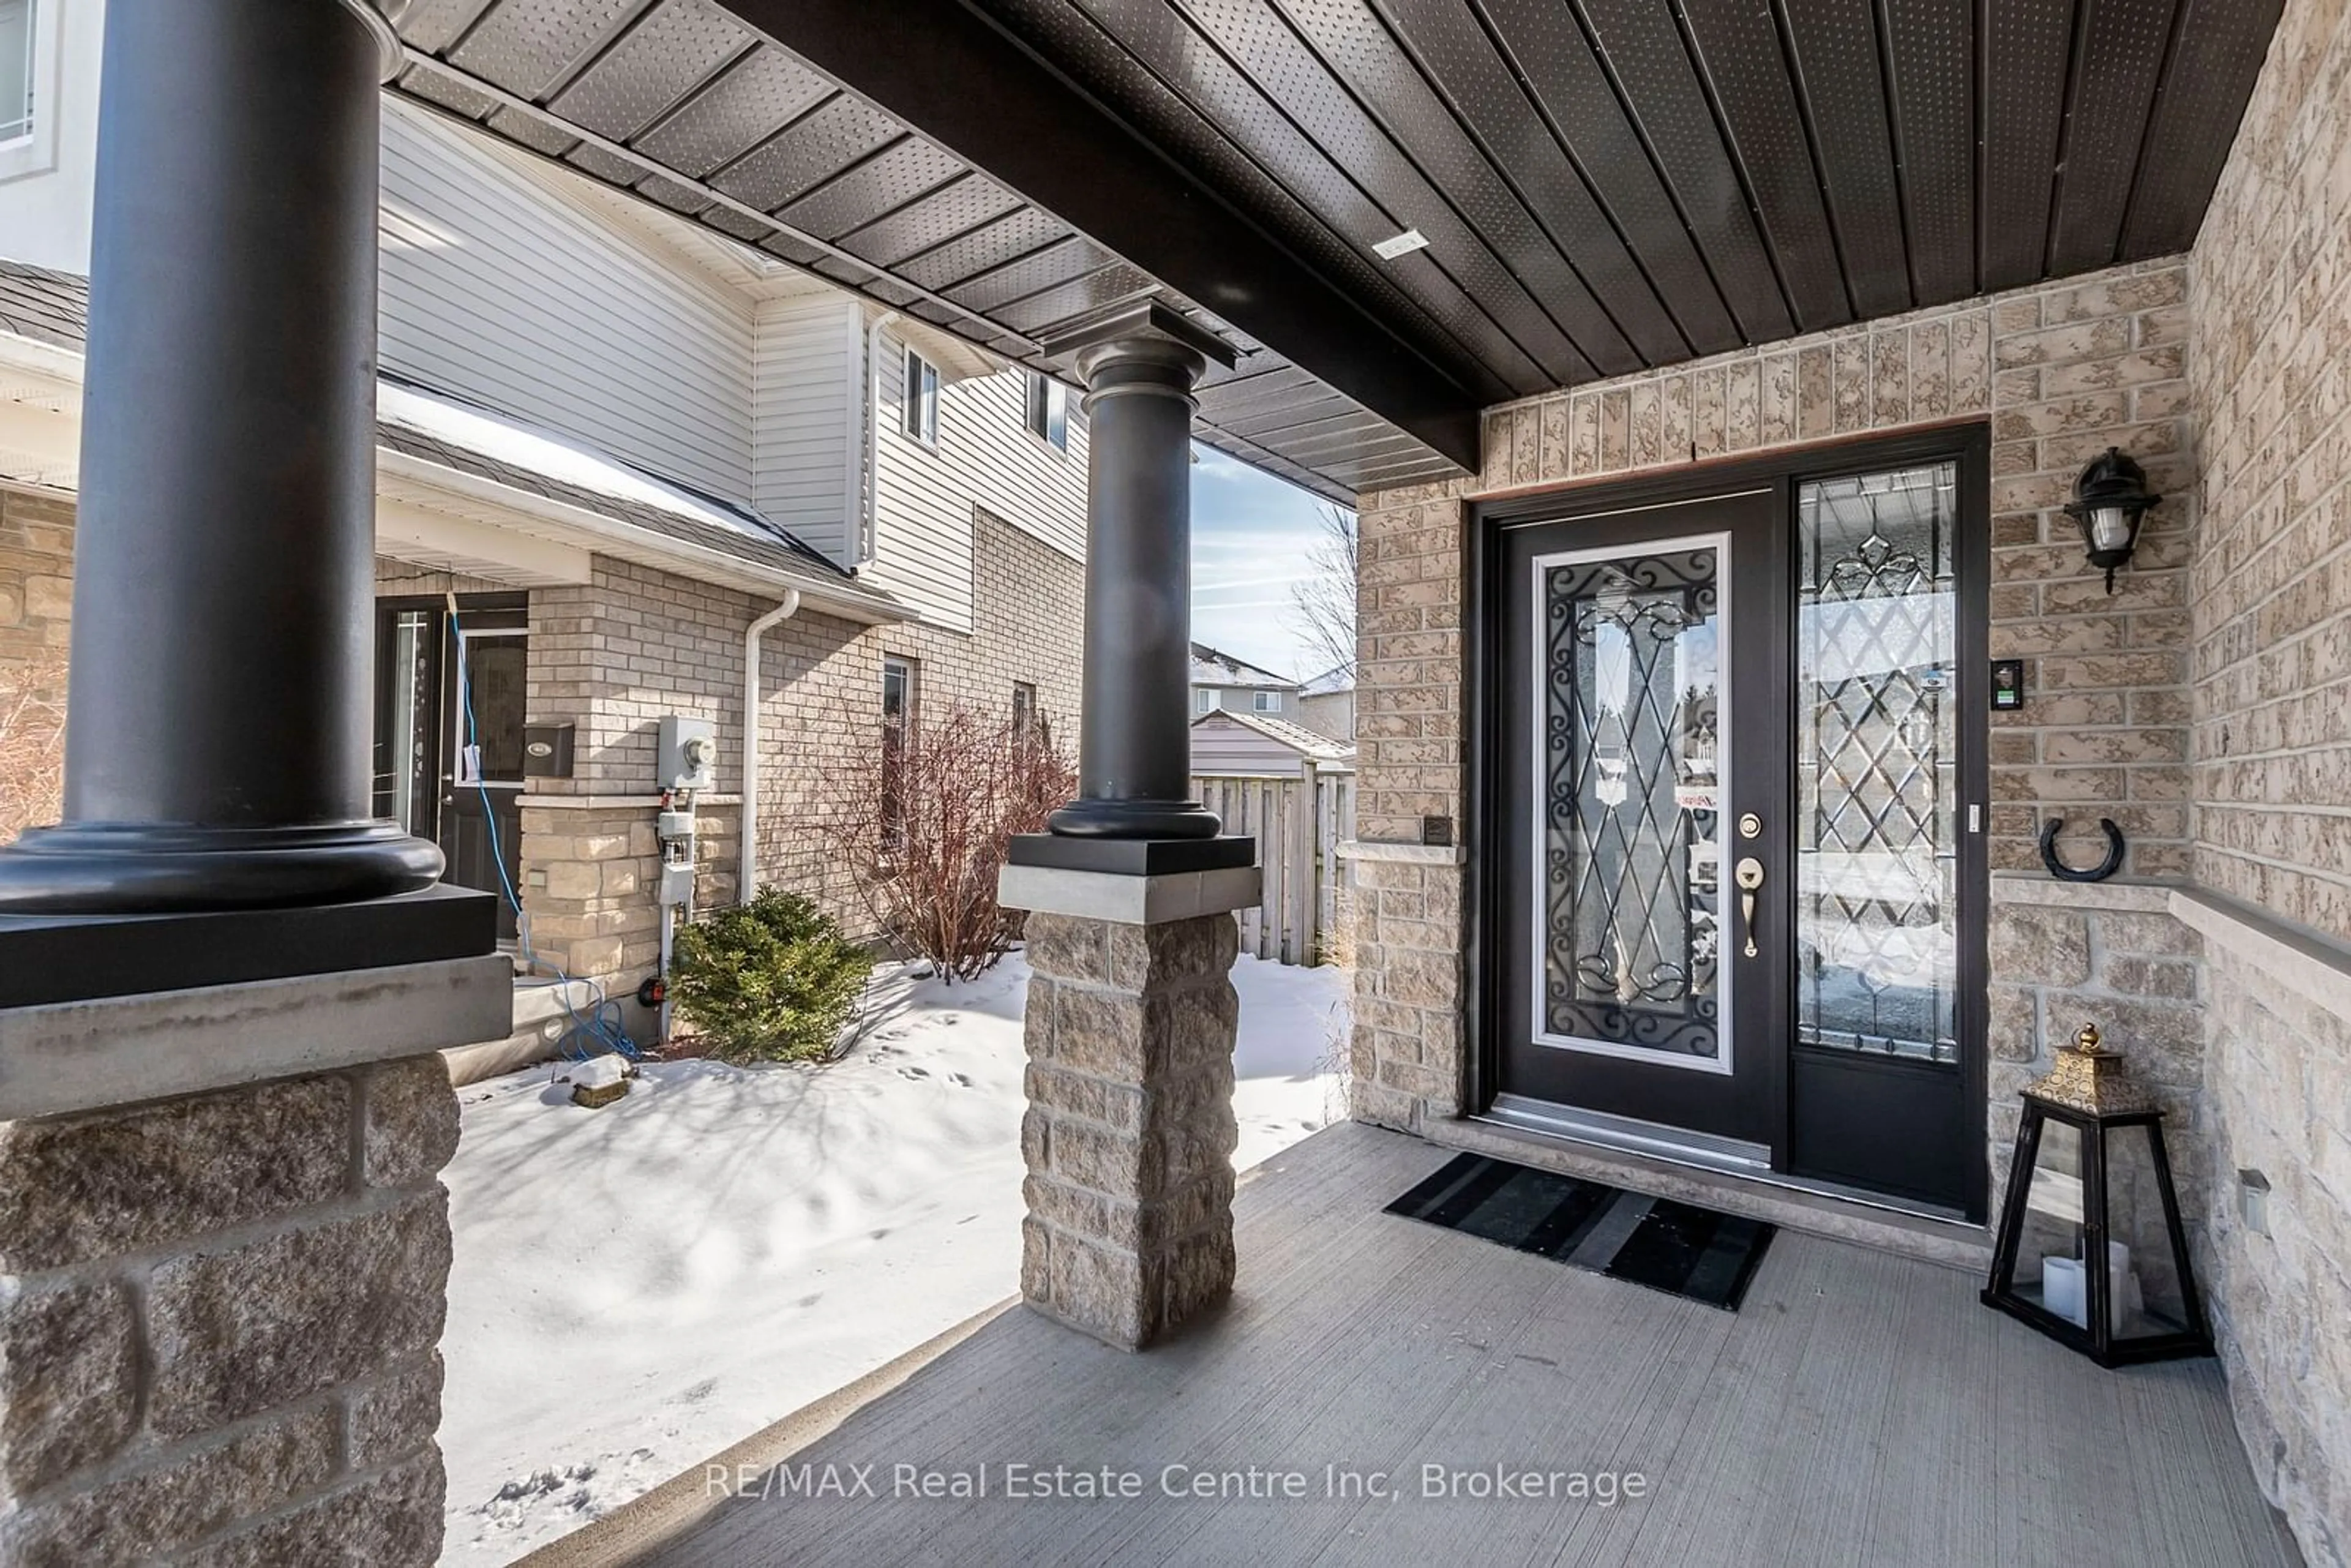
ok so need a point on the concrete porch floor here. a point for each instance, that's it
(1862, 1408)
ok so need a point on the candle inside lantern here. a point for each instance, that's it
(2061, 1291)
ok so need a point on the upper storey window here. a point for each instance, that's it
(922, 410)
(16, 54)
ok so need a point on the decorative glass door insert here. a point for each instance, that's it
(1877, 758)
(1631, 716)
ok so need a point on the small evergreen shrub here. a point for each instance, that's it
(771, 980)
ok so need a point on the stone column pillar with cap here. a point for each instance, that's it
(1132, 1015)
(224, 1245)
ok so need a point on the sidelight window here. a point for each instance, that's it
(1877, 757)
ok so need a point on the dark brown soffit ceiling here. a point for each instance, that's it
(1605, 186)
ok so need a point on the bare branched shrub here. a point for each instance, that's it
(32, 744)
(925, 820)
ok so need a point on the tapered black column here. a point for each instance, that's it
(217, 736)
(1134, 763)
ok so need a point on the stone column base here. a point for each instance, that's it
(220, 1309)
(1130, 1131)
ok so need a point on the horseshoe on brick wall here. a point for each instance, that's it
(2063, 872)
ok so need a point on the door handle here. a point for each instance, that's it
(1749, 873)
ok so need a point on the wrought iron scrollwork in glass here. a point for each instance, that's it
(1631, 864)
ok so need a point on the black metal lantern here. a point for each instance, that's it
(2109, 500)
(2091, 1250)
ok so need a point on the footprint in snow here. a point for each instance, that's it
(913, 1072)
(959, 1079)
(699, 1392)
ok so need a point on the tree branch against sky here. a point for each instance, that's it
(1256, 541)
(1322, 614)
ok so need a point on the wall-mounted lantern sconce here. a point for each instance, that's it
(2109, 500)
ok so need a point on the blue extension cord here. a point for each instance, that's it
(599, 1029)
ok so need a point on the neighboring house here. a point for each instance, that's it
(1326, 704)
(613, 444)
(1221, 681)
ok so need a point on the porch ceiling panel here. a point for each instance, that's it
(1603, 185)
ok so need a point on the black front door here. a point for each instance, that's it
(450, 705)
(1736, 879)
(1639, 733)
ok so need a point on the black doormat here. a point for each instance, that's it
(1653, 1241)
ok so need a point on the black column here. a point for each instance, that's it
(1135, 762)
(217, 738)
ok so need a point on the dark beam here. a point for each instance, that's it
(953, 75)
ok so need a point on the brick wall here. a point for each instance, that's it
(821, 681)
(2058, 371)
(2272, 294)
(616, 655)
(2270, 291)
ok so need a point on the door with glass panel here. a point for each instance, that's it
(1736, 785)
(449, 713)
(1642, 773)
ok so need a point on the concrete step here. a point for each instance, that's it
(543, 1010)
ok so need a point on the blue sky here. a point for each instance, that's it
(1250, 533)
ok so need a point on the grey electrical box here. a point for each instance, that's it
(688, 754)
(677, 881)
(547, 752)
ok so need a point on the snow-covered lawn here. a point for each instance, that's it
(639, 1287)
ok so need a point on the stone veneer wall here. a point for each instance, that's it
(2111, 954)
(218, 1318)
(37, 535)
(2060, 371)
(2270, 291)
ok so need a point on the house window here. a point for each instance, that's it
(1207, 699)
(897, 719)
(15, 70)
(1024, 710)
(1049, 410)
(1266, 701)
(922, 400)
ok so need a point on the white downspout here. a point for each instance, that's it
(746, 864)
(866, 524)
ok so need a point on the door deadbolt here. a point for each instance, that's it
(1750, 826)
(1749, 874)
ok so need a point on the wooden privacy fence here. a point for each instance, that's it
(1299, 824)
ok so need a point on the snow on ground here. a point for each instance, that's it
(640, 1287)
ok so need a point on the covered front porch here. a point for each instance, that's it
(1453, 263)
(1859, 1407)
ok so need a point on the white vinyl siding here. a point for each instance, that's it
(985, 459)
(497, 287)
(807, 385)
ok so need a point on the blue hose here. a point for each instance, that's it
(582, 1037)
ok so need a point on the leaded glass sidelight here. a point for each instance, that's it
(1631, 720)
(1878, 758)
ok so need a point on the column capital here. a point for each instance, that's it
(1147, 346)
(381, 18)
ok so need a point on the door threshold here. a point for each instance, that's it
(1676, 1146)
(1795, 1203)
